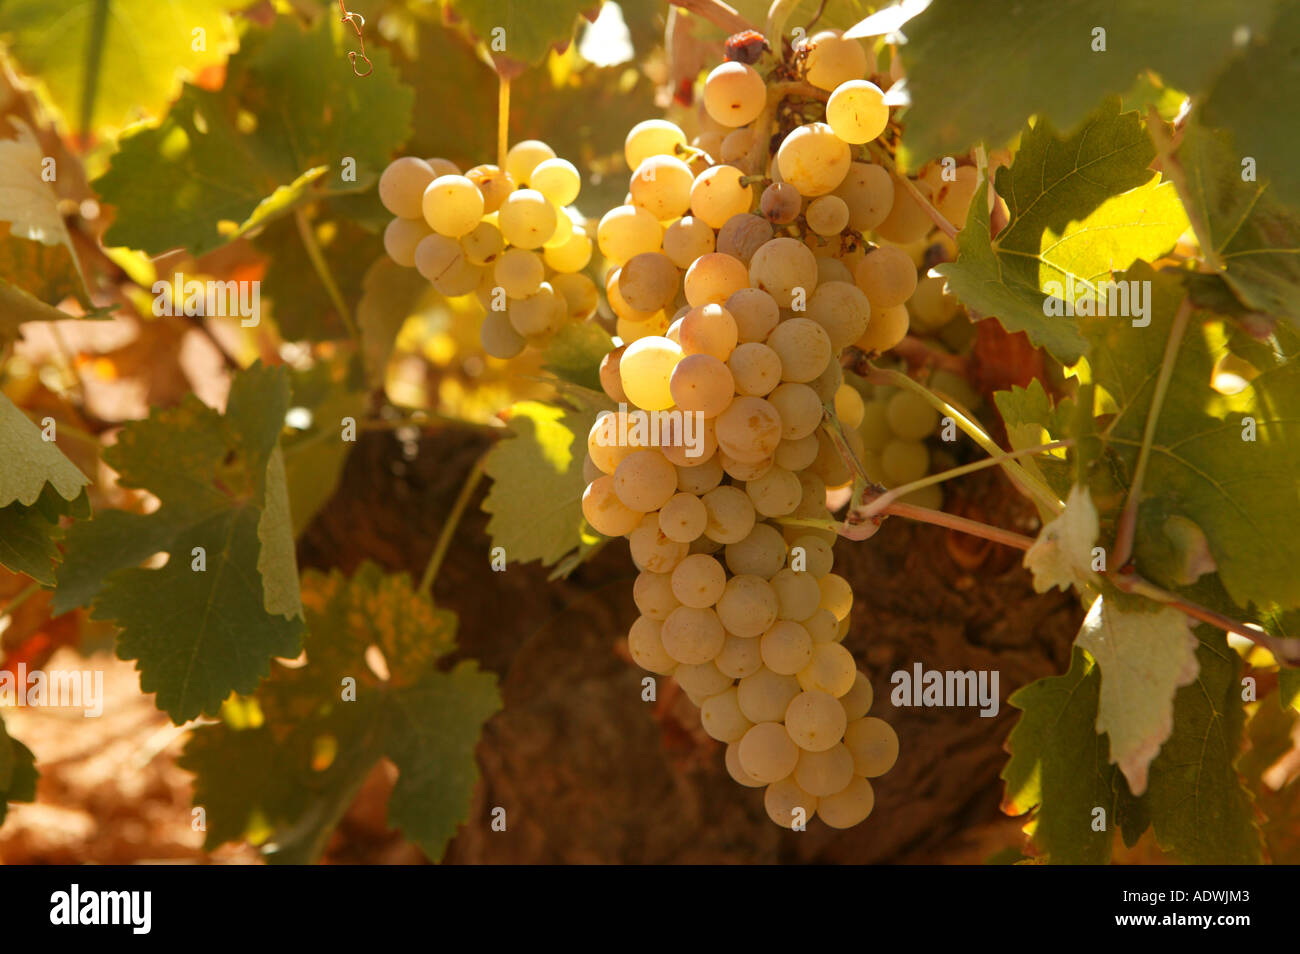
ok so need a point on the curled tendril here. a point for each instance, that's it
(357, 22)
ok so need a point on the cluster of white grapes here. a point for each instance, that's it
(509, 236)
(734, 304)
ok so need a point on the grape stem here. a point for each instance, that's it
(1026, 482)
(23, 596)
(777, 14)
(883, 158)
(882, 502)
(449, 527)
(718, 13)
(323, 271)
(1127, 527)
(503, 120)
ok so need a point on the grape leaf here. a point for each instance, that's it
(32, 462)
(1254, 237)
(1186, 41)
(535, 504)
(1143, 658)
(38, 485)
(100, 65)
(210, 169)
(1241, 493)
(568, 116)
(1082, 207)
(1255, 96)
(301, 307)
(1030, 421)
(1060, 767)
(390, 295)
(36, 251)
(1288, 684)
(523, 30)
(427, 721)
(314, 455)
(575, 353)
(197, 635)
(1199, 809)
(1062, 554)
(18, 773)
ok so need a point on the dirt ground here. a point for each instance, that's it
(587, 772)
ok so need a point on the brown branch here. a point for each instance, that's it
(718, 13)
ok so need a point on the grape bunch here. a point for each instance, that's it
(736, 294)
(509, 236)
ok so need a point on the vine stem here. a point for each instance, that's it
(885, 500)
(718, 13)
(1172, 169)
(26, 593)
(1287, 652)
(860, 526)
(1027, 483)
(1127, 527)
(323, 271)
(449, 528)
(938, 518)
(503, 120)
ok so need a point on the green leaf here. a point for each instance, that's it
(391, 295)
(1255, 97)
(38, 485)
(305, 747)
(433, 732)
(28, 534)
(31, 462)
(1187, 42)
(1199, 809)
(1288, 687)
(18, 773)
(575, 352)
(569, 114)
(314, 456)
(102, 64)
(1144, 658)
(1244, 229)
(1060, 767)
(197, 634)
(1081, 208)
(211, 169)
(522, 30)
(535, 504)
(1242, 494)
(1031, 421)
(301, 307)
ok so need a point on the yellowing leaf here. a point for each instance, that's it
(1144, 658)
(1062, 554)
(102, 64)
